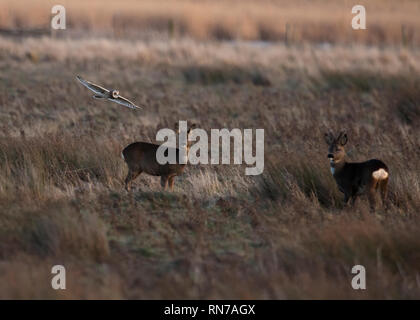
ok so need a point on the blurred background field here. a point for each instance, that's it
(390, 22)
(220, 234)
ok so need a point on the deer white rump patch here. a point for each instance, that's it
(380, 174)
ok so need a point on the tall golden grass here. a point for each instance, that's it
(280, 20)
(184, 52)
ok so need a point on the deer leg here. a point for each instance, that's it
(353, 200)
(129, 179)
(164, 182)
(372, 195)
(346, 199)
(171, 182)
(384, 190)
(372, 201)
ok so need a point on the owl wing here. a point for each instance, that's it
(94, 87)
(125, 102)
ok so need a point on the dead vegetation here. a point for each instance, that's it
(291, 22)
(220, 234)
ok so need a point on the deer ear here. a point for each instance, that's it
(328, 137)
(343, 139)
(192, 126)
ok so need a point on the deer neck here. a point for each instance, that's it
(337, 166)
(185, 147)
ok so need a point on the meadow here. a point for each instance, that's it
(284, 234)
(297, 21)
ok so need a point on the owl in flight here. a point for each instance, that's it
(102, 93)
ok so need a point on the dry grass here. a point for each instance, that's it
(215, 62)
(280, 20)
(283, 234)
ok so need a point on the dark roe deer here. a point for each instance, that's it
(356, 178)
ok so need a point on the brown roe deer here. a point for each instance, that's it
(141, 157)
(356, 178)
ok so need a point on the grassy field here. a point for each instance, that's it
(297, 21)
(284, 234)
(220, 234)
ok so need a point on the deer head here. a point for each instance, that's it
(336, 152)
(190, 128)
